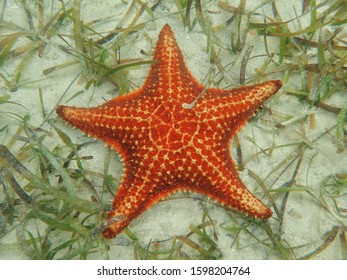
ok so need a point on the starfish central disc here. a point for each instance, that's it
(171, 127)
(167, 147)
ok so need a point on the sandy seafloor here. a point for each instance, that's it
(305, 220)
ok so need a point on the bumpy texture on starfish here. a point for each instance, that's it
(167, 147)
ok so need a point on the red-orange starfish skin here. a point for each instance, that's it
(167, 147)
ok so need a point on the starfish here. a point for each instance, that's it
(168, 146)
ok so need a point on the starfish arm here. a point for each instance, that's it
(227, 188)
(213, 174)
(232, 108)
(169, 76)
(132, 199)
(112, 122)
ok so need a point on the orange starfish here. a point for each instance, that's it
(173, 135)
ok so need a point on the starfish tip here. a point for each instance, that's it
(278, 84)
(62, 111)
(166, 28)
(59, 109)
(108, 233)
